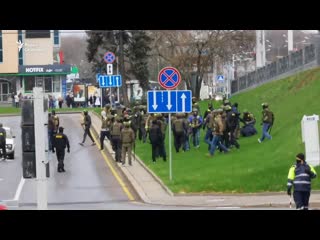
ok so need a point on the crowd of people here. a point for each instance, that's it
(221, 126)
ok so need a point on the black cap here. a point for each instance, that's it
(61, 129)
(300, 156)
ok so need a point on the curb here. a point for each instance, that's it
(154, 176)
(124, 172)
(148, 170)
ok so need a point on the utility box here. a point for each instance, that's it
(310, 136)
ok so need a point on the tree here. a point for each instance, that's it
(194, 53)
(139, 48)
(132, 49)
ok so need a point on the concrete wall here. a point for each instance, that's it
(38, 51)
(10, 52)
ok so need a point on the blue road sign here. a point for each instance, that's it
(176, 101)
(220, 78)
(109, 57)
(110, 81)
(169, 78)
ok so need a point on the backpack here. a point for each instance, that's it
(178, 126)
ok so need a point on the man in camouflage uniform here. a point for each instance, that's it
(248, 120)
(127, 139)
(179, 129)
(163, 127)
(156, 140)
(142, 129)
(195, 121)
(106, 121)
(116, 128)
(217, 133)
(267, 122)
(136, 120)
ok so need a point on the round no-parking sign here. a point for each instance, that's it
(169, 78)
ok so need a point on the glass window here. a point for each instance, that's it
(56, 84)
(21, 51)
(1, 52)
(37, 33)
(29, 83)
(56, 37)
(48, 84)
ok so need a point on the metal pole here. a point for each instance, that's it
(118, 89)
(170, 152)
(39, 125)
(101, 98)
(290, 41)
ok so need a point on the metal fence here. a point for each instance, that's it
(303, 59)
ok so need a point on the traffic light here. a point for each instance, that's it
(28, 140)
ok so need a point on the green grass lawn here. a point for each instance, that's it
(255, 167)
(9, 110)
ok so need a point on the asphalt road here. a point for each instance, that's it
(87, 179)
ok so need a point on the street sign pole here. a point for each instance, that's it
(101, 98)
(39, 122)
(118, 88)
(170, 151)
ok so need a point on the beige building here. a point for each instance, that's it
(9, 52)
(30, 58)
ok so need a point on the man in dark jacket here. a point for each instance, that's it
(87, 124)
(299, 177)
(60, 143)
(156, 140)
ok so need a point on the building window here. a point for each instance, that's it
(56, 37)
(56, 84)
(29, 83)
(1, 50)
(37, 33)
(21, 51)
(48, 84)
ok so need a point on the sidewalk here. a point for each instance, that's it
(152, 190)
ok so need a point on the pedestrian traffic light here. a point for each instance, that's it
(28, 139)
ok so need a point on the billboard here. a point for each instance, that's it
(79, 93)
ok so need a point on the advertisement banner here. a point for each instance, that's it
(93, 91)
(79, 93)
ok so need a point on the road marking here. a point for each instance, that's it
(19, 189)
(124, 187)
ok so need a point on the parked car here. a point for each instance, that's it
(10, 143)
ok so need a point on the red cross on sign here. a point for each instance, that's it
(169, 78)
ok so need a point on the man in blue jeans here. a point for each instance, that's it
(267, 121)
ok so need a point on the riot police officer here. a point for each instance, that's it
(60, 143)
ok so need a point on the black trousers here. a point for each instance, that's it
(116, 145)
(60, 157)
(104, 134)
(301, 199)
(87, 132)
(179, 139)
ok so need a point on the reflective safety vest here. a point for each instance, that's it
(299, 179)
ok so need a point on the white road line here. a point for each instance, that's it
(19, 189)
